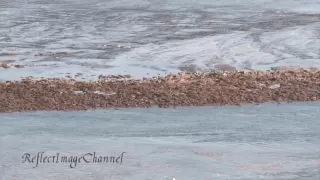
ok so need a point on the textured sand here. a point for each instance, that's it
(182, 89)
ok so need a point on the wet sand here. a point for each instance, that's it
(173, 90)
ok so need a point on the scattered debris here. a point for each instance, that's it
(4, 64)
(173, 90)
(209, 154)
(274, 166)
(6, 54)
(19, 66)
(52, 54)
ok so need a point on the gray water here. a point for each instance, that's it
(148, 37)
(267, 141)
(157, 36)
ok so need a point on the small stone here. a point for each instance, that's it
(19, 66)
(127, 76)
(4, 64)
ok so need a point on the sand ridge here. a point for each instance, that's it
(173, 90)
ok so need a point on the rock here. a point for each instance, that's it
(19, 66)
(6, 54)
(5, 64)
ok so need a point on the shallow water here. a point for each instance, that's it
(267, 141)
(152, 36)
(147, 37)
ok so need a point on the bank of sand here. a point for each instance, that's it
(173, 90)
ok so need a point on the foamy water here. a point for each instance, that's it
(157, 37)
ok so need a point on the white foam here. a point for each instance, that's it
(297, 46)
(140, 34)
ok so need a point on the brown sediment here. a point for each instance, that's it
(7, 54)
(8, 64)
(271, 167)
(183, 89)
(4, 64)
(209, 154)
(52, 54)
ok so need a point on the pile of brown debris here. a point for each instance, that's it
(182, 89)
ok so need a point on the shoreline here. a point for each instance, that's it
(173, 90)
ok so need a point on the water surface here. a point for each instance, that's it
(152, 36)
(267, 141)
